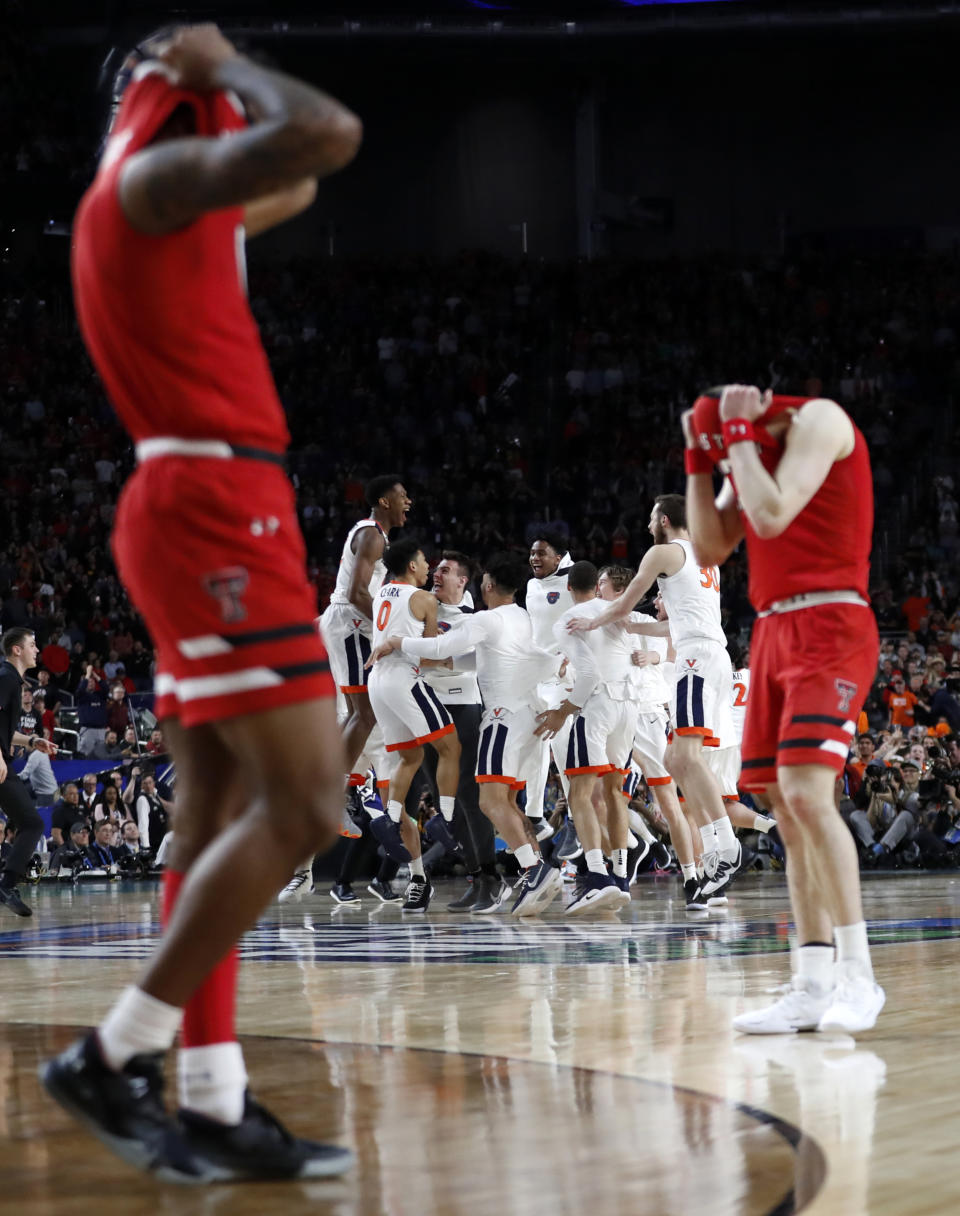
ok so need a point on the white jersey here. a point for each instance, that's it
(455, 685)
(741, 694)
(691, 598)
(392, 618)
(548, 599)
(650, 686)
(601, 656)
(348, 559)
(509, 665)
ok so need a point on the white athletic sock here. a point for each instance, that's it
(594, 860)
(852, 945)
(620, 863)
(815, 967)
(416, 868)
(394, 810)
(446, 807)
(526, 856)
(212, 1080)
(709, 837)
(632, 841)
(763, 823)
(726, 841)
(688, 871)
(644, 832)
(136, 1024)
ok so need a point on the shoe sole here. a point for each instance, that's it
(345, 903)
(383, 898)
(779, 1031)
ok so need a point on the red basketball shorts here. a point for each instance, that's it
(810, 672)
(211, 554)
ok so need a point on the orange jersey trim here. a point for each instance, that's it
(598, 770)
(658, 780)
(703, 731)
(345, 688)
(496, 779)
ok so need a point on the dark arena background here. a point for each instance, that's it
(565, 221)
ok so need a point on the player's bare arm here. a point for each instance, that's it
(648, 629)
(820, 434)
(265, 213)
(714, 524)
(368, 545)
(658, 560)
(299, 132)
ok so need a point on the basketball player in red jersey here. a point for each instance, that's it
(205, 149)
(800, 490)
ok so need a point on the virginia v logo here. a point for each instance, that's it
(227, 586)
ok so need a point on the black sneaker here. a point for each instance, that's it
(418, 895)
(384, 891)
(387, 835)
(258, 1147)
(469, 897)
(10, 898)
(635, 859)
(343, 893)
(124, 1110)
(696, 900)
(492, 895)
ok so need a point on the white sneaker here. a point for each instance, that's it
(300, 885)
(855, 1003)
(797, 1009)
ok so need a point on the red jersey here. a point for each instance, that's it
(166, 318)
(827, 547)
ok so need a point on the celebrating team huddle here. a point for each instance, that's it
(577, 676)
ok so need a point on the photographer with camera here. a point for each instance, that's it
(909, 814)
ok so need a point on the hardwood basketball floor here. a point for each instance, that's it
(485, 1067)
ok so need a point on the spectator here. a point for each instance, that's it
(71, 854)
(156, 745)
(109, 806)
(107, 748)
(65, 813)
(118, 711)
(129, 845)
(101, 851)
(152, 813)
(88, 795)
(92, 711)
(130, 744)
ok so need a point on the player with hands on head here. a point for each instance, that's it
(799, 489)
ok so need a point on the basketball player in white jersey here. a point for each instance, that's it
(725, 762)
(347, 622)
(509, 668)
(603, 721)
(408, 711)
(701, 695)
(547, 599)
(652, 694)
(456, 686)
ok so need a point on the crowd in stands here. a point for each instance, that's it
(506, 394)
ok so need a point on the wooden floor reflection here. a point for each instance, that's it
(495, 1068)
